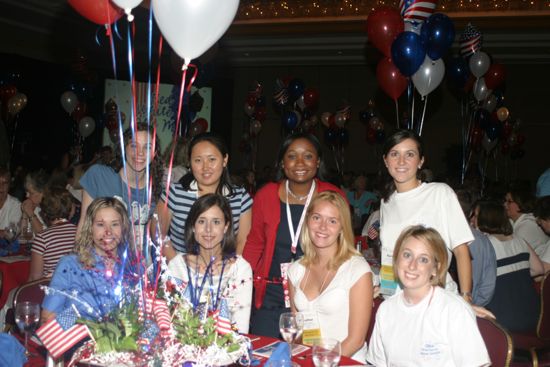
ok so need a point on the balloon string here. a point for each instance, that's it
(423, 115)
(15, 121)
(397, 113)
(411, 102)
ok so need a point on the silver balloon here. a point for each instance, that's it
(86, 126)
(490, 103)
(480, 90)
(479, 64)
(429, 76)
(69, 100)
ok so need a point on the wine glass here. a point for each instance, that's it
(290, 326)
(27, 317)
(326, 352)
(12, 231)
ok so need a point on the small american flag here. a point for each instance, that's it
(159, 309)
(223, 318)
(470, 40)
(416, 11)
(60, 334)
(372, 233)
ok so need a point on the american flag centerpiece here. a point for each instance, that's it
(470, 41)
(416, 11)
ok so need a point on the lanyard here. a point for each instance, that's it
(294, 235)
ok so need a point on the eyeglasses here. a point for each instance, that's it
(508, 201)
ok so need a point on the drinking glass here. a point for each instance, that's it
(12, 231)
(326, 352)
(27, 317)
(290, 326)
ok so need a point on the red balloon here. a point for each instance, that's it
(332, 122)
(111, 121)
(371, 136)
(507, 129)
(80, 111)
(251, 99)
(260, 114)
(100, 12)
(202, 123)
(494, 77)
(392, 82)
(383, 26)
(311, 98)
(6, 92)
(469, 85)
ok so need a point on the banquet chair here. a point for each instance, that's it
(498, 342)
(536, 344)
(30, 292)
(375, 304)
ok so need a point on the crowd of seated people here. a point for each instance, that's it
(288, 244)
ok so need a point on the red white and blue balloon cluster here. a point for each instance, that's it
(255, 108)
(295, 103)
(375, 126)
(336, 134)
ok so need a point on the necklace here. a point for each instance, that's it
(322, 284)
(299, 198)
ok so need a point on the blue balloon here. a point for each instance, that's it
(366, 115)
(438, 33)
(343, 136)
(260, 101)
(408, 52)
(331, 136)
(482, 117)
(380, 136)
(295, 88)
(290, 120)
(493, 131)
(458, 71)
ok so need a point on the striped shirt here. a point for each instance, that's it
(180, 202)
(52, 243)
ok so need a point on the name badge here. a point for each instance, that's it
(312, 329)
(284, 276)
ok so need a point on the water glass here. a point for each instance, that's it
(326, 352)
(27, 318)
(290, 326)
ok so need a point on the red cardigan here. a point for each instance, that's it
(260, 243)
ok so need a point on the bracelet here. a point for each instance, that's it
(466, 294)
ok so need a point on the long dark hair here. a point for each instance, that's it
(524, 199)
(156, 169)
(205, 202)
(492, 218)
(321, 171)
(220, 144)
(396, 138)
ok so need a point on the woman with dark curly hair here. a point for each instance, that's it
(128, 182)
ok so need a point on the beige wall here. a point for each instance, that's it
(527, 92)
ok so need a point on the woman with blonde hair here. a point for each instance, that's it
(332, 283)
(425, 324)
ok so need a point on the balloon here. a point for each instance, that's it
(520, 139)
(507, 129)
(343, 136)
(383, 26)
(191, 26)
(331, 136)
(408, 52)
(429, 76)
(375, 124)
(248, 109)
(260, 114)
(489, 144)
(495, 76)
(203, 123)
(438, 33)
(7, 92)
(255, 127)
(504, 148)
(195, 129)
(482, 118)
(493, 131)
(371, 136)
(99, 12)
(86, 126)
(490, 103)
(290, 119)
(260, 101)
(69, 101)
(479, 64)
(325, 117)
(251, 99)
(79, 111)
(311, 98)
(110, 106)
(295, 88)
(480, 90)
(340, 120)
(458, 72)
(366, 114)
(392, 82)
(111, 121)
(114, 135)
(380, 136)
(502, 114)
(17, 103)
(127, 5)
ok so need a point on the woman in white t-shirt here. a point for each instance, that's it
(424, 325)
(332, 283)
(408, 201)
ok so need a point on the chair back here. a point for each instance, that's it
(497, 341)
(31, 292)
(543, 326)
(375, 305)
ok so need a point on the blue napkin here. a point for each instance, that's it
(280, 357)
(13, 353)
(7, 248)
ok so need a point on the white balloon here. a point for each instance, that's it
(86, 126)
(480, 90)
(69, 100)
(192, 26)
(490, 103)
(429, 76)
(479, 64)
(127, 5)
